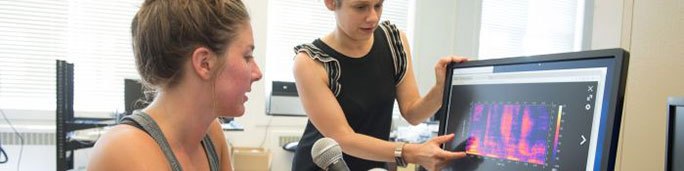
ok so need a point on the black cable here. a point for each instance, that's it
(21, 139)
(2, 152)
(268, 125)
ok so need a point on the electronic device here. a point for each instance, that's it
(544, 112)
(674, 152)
(284, 100)
(327, 154)
(134, 96)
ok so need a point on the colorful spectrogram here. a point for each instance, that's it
(509, 131)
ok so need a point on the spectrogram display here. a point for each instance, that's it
(515, 132)
(522, 126)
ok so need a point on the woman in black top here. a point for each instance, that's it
(348, 81)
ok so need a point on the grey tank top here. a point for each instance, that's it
(144, 122)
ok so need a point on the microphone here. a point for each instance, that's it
(327, 154)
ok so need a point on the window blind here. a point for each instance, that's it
(94, 35)
(527, 27)
(293, 22)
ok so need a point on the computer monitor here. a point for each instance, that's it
(675, 134)
(134, 95)
(545, 112)
(284, 100)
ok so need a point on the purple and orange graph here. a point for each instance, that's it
(515, 132)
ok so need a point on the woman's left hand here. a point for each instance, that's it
(440, 68)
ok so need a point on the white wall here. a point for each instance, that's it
(653, 31)
(33, 157)
(443, 28)
(607, 24)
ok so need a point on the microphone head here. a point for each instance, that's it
(325, 152)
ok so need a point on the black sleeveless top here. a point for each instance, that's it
(364, 87)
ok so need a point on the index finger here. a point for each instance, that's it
(458, 59)
(443, 139)
(445, 60)
(448, 155)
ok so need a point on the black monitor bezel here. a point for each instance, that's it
(617, 90)
(672, 104)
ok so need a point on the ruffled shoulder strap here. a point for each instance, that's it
(331, 65)
(397, 48)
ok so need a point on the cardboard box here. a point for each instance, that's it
(409, 167)
(251, 159)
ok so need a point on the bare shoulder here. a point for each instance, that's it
(218, 138)
(125, 147)
(303, 59)
(404, 39)
(306, 66)
(221, 145)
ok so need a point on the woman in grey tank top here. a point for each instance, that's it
(197, 57)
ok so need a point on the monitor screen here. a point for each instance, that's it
(546, 112)
(675, 134)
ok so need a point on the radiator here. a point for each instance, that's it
(30, 138)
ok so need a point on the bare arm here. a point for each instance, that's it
(413, 107)
(327, 116)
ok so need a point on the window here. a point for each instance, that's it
(526, 27)
(293, 22)
(94, 35)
